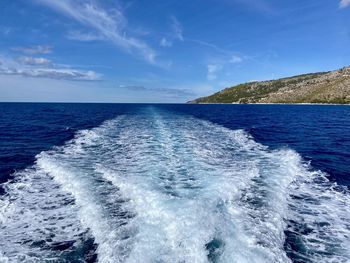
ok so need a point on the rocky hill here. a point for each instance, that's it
(325, 87)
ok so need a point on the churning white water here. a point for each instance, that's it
(161, 187)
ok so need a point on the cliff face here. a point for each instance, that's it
(325, 87)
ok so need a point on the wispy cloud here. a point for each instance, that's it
(169, 92)
(43, 68)
(223, 64)
(236, 59)
(165, 42)
(210, 45)
(67, 74)
(213, 69)
(35, 61)
(344, 3)
(82, 36)
(40, 49)
(175, 33)
(111, 24)
(176, 28)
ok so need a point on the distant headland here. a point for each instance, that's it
(331, 87)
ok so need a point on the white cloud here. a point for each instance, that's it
(174, 34)
(43, 68)
(344, 3)
(176, 28)
(52, 73)
(235, 59)
(165, 42)
(210, 45)
(213, 69)
(35, 61)
(167, 92)
(40, 49)
(81, 36)
(111, 24)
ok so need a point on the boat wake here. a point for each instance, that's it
(162, 187)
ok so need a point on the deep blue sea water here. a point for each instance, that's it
(174, 183)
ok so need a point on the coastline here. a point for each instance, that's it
(306, 104)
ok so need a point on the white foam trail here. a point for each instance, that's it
(37, 220)
(319, 217)
(159, 187)
(286, 189)
(100, 204)
(187, 202)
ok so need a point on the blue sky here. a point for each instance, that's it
(162, 50)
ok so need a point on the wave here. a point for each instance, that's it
(161, 187)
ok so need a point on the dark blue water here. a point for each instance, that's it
(180, 148)
(26, 129)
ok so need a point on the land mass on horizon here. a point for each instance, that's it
(332, 87)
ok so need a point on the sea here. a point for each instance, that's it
(174, 183)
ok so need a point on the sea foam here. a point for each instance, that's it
(160, 187)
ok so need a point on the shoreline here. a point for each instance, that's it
(311, 104)
(168, 103)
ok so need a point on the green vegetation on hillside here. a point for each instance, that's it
(325, 87)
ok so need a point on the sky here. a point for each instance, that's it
(162, 51)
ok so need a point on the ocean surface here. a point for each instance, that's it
(174, 183)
